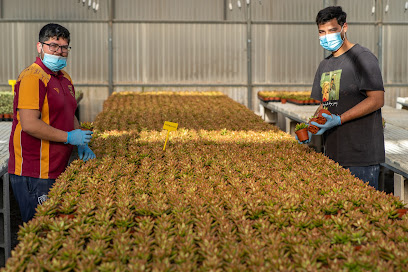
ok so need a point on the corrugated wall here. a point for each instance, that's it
(285, 54)
(162, 10)
(285, 11)
(87, 62)
(361, 10)
(179, 53)
(199, 44)
(53, 10)
(395, 54)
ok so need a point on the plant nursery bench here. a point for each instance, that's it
(5, 231)
(285, 116)
(402, 103)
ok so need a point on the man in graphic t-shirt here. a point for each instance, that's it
(353, 135)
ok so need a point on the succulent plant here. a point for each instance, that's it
(87, 125)
(300, 126)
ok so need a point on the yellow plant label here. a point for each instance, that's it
(169, 126)
(12, 83)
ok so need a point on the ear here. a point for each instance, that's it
(345, 27)
(39, 47)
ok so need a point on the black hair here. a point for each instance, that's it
(53, 30)
(330, 13)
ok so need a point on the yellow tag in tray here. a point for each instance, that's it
(12, 83)
(169, 126)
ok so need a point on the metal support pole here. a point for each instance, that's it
(1, 9)
(225, 10)
(249, 55)
(110, 46)
(380, 20)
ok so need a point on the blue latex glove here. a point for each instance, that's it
(85, 153)
(307, 141)
(79, 137)
(332, 121)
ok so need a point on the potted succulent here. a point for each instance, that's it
(320, 120)
(6, 105)
(323, 110)
(2, 112)
(8, 112)
(301, 132)
(87, 126)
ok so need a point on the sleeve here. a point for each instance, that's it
(317, 89)
(31, 93)
(369, 72)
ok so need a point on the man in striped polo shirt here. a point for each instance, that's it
(44, 128)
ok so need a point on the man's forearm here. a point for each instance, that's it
(38, 129)
(367, 106)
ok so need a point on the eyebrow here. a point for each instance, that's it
(330, 29)
(58, 44)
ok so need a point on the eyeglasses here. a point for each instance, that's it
(54, 47)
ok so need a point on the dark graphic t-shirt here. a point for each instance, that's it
(341, 83)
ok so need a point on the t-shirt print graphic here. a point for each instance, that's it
(330, 84)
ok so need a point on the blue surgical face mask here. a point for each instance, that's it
(53, 62)
(332, 42)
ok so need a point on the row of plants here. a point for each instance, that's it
(149, 111)
(295, 97)
(6, 105)
(238, 196)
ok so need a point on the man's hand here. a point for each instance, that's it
(307, 141)
(332, 121)
(79, 137)
(85, 153)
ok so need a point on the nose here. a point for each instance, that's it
(59, 50)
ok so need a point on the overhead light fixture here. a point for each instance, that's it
(92, 4)
(239, 4)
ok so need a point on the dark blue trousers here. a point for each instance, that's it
(30, 192)
(368, 174)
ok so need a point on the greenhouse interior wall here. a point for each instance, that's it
(179, 45)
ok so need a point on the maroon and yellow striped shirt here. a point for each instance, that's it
(54, 96)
